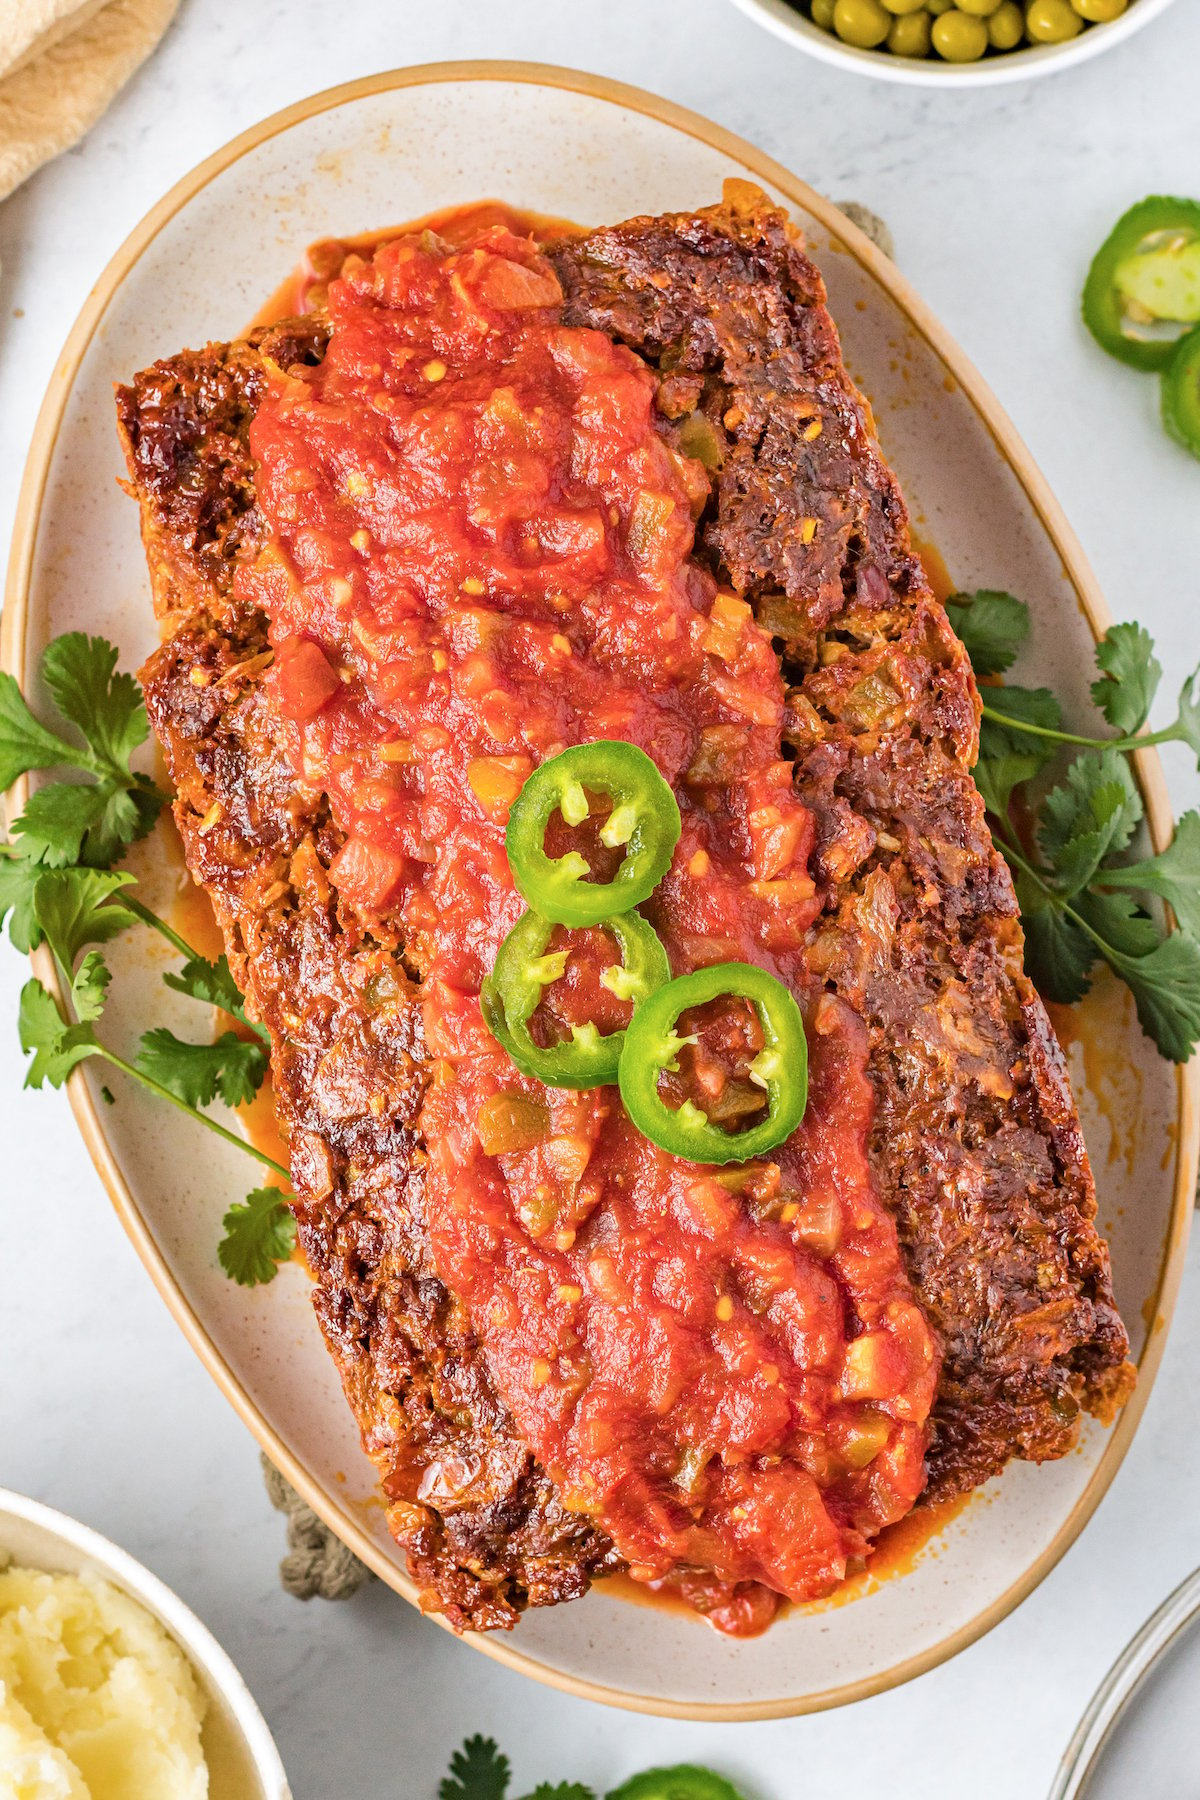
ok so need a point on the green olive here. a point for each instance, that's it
(863, 23)
(980, 9)
(959, 38)
(1052, 21)
(822, 12)
(1099, 12)
(910, 35)
(1006, 27)
(903, 7)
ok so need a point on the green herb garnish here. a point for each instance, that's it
(58, 887)
(479, 1771)
(260, 1233)
(1075, 880)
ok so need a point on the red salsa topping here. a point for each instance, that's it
(480, 554)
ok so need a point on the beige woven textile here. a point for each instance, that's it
(61, 63)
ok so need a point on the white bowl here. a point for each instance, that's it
(1015, 65)
(243, 1763)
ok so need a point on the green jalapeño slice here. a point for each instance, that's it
(644, 821)
(1143, 289)
(652, 1046)
(684, 1782)
(1181, 394)
(523, 970)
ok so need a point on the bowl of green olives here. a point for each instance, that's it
(931, 42)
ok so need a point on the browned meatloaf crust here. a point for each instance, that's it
(977, 1145)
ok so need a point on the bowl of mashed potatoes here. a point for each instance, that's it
(110, 1689)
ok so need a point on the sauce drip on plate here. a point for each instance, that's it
(479, 554)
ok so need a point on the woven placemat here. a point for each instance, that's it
(870, 224)
(318, 1565)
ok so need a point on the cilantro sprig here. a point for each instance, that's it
(93, 820)
(481, 1771)
(58, 886)
(1083, 898)
(80, 907)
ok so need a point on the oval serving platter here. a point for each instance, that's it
(402, 145)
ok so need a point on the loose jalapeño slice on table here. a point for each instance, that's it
(1143, 289)
(1181, 393)
(779, 1068)
(521, 975)
(644, 822)
(684, 1782)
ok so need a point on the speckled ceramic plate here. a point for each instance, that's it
(397, 146)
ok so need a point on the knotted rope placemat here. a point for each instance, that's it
(870, 224)
(318, 1565)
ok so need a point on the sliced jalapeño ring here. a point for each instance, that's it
(652, 1047)
(1181, 393)
(523, 970)
(1143, 288)
(644, 819)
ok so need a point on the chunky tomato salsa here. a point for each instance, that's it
(479, 554)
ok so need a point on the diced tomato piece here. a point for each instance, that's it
(740, 1609)
(366, 873)
(506, 284)
(303, 679)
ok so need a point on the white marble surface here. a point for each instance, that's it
(996, 202)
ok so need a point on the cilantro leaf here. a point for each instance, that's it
(479, 1771)
(213, 983)
(1090, 815)
(1033, 706)
(1059, 954)
(57, 818)
(1166, 988)
(85, 822)
(260, 1233)
(197, 1073)
(992, 626)
(1119, 921)
(19, 876)
(1174, 875)
(89, 988)
(997, 777)
(55, 1046)
(1129, 677)
(25, 744)
(131, 815)
(81, 673)
(77, 907)
(1187, 726)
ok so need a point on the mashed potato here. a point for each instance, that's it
(96, 1701)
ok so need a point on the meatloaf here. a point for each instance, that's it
(975, 1146)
